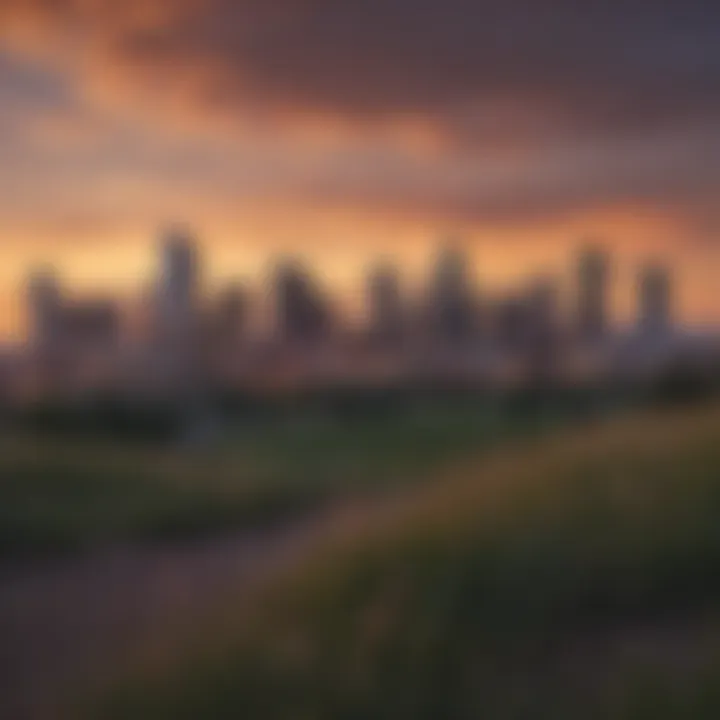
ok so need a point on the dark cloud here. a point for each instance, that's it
(607, 66)
(610, 99)
(601, 63)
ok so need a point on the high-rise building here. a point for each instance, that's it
(510, 322)
(91, 325)
(178, 286)
(542, 334)
(45, 310)
(302, 314)
(451, 300)
(593, 294)
(384, 304)
(655, 299)
(542, 306)
(229, 315)
(179, 352)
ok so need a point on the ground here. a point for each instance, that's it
(567, 574)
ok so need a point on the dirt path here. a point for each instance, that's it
(66, 624)
(69, 624)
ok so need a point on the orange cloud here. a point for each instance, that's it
(347, 129)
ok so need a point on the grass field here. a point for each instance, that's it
(71, 493)
(574, 577)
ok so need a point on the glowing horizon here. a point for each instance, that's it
(342, 132)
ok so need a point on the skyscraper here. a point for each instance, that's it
(593, 294)
(229, 315)
(542, 299)
(178, 286)
(92, 325)
(302, 315)
(384, 304)
(510, 321)
(45, 310)
(542, 334)
(178, 323)
(654, 299)
(452, 307)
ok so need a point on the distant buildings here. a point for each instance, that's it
(92, 325)
(194, 339)
(45, 308)
(386, 322)
(654, 300)
(229, 315)
(178, 288)
(451, 300)
(302, 314)
(542, 299)
(523, 326)
(176, 332)
(509, 327)
(543, 322)
(593, 285)
(74, 341)
(69, 326)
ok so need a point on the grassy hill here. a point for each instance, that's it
(573, 577)
(77, 493)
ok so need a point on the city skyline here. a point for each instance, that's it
(288, 329)
(344, 131)
(451, 293)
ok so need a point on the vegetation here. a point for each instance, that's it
(105, 470)
(61, 492)
(578, 578)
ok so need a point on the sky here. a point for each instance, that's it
(341, 130)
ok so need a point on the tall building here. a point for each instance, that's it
(384, 304)
(542, 302)
(451, 298)
(543, 327)
(91, 325)
(302, 314)
(593, 294)
(510, 322)
(178, 286)
(179, 353)
(655, 299)
(45, 310)
(229, 317)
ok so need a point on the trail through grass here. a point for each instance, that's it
(577, 578)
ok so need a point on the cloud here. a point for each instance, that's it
(605, 64)
(475, 108)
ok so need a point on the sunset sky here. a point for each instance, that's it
(344, 129)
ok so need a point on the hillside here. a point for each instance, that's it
(76, 494)
(571, 577)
